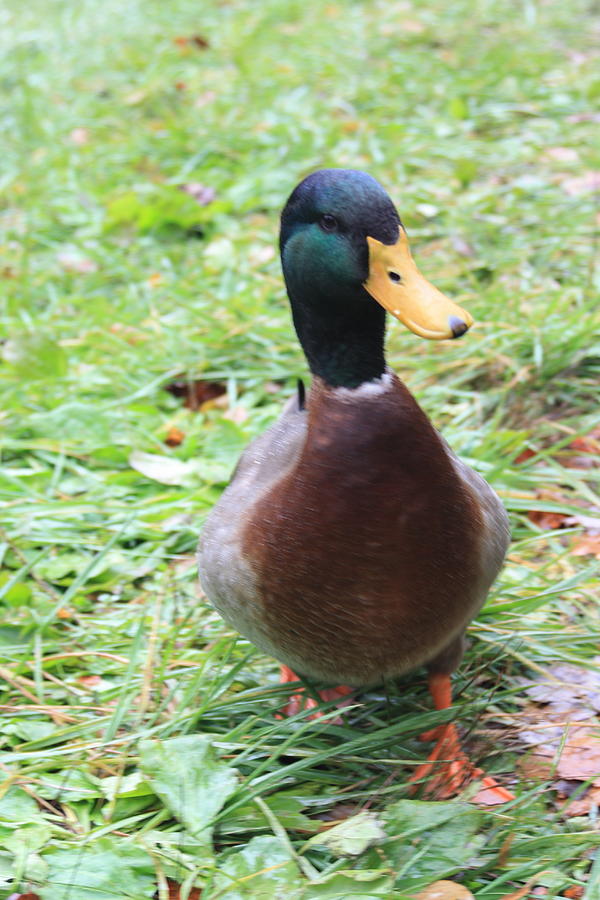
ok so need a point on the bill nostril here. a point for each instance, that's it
(457, 326)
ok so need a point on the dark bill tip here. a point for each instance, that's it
(457, 326)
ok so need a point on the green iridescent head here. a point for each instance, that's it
(346, 260)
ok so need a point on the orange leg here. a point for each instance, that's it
(300, 701)
(448, 767)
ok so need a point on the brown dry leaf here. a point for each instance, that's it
(524, 455)
(549, 521)
(575, 892)
(444, 890)
(66, 612)
(583, 452)
(339, 812)
(198, 41)
(174, 437)
(522, 892)
(89, 680)
(562, 727)
(128, 332)
(237, 414)
(587, 545)
(195, 393)
(580, 757)
(582, 805)
(175, 891)
(155, 279)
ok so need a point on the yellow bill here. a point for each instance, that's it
(396, 283)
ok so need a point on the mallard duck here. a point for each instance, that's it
(352, 544)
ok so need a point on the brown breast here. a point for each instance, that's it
(366, 554)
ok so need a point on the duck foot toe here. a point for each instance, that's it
(448, 770)
(301, 701)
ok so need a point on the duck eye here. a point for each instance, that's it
(394, 276)
(328, 223)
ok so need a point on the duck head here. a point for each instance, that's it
(346, 261)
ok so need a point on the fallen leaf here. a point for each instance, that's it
(202, 194)
(462, 247)
(339, 811)
(444, 890)
(261, 255)
(129, 333)
(65, 612)
(562, 726)
(584, 117)
(175, 891)
(522, 892)
(195, 392)
(524, 455)
(74, 262)
(582, 805)
(588, 545)
(155, 279)
(549, 521)
(562, 154)
(575, 892)
(174, 437)
(583, 452)
(237, 414)
(79, 136)
(195, 40)
(587, 183)
(580, 757)
(164, 469)
(89, 680)
(204, 99)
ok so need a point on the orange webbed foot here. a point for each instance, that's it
(302, 701)
(448, 768)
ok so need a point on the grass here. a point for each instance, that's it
(126, 702)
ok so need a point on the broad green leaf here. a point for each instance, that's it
(133, 785)
(27, 839)
(110, 868)
(286, 807)
(36, 356)
(164, 469)
(262, 870)
(30, 729)
(17, 806)
(7, 871)
(353, 836)
(429, 841)
(366, 884)
(189, 778)
(68, 786)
